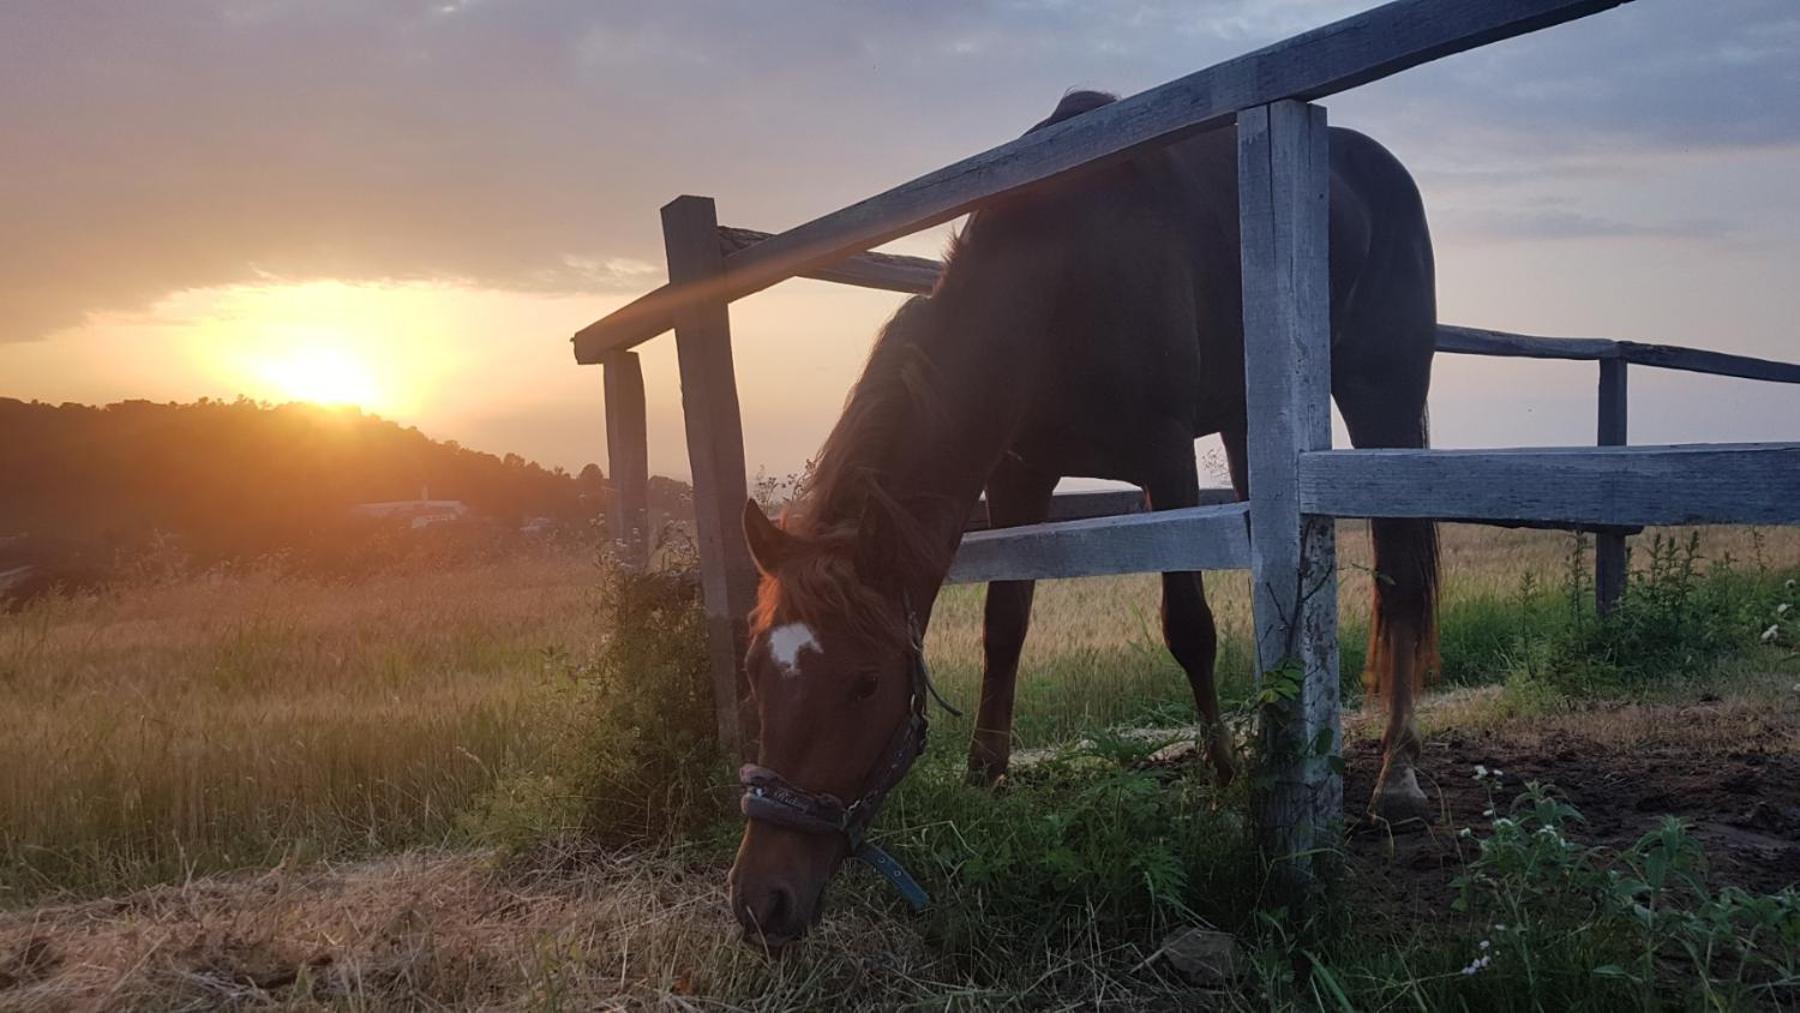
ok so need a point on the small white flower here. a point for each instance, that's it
(1498, 773)
(1499, 926)
(1465, 832)
(1783, 608)
(1770, 635)
(1487, 812)
(1484, 944)
(1480, 771)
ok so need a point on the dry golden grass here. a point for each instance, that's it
(234, 722)
(570, 930)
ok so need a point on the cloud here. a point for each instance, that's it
(525, 144)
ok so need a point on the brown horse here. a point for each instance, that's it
(1093, 327)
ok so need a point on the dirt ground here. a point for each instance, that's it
(1730, 768)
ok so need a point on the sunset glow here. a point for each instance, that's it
(322, 374)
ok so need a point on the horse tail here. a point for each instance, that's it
(1404, 617)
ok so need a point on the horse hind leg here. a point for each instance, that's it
(1016, 495)
(1403, 654)
(1403, 647)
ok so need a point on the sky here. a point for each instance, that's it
(410, 206)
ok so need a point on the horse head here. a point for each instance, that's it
(837, 680)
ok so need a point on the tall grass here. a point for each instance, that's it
(183, 726)
(219, 722)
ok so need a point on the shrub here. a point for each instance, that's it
(1640, 926)
(1675, 619)
(629, 745)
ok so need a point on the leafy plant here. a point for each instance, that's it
(629, 749)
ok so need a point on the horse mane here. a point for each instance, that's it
(857, 530)
(844, 503)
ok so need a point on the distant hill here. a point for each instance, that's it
(241, 478)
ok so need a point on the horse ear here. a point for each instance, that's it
(769, 545)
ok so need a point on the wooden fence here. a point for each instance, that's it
(1284, 533)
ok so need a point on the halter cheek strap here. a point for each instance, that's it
(770, 798)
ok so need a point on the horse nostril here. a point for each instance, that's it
(780, 910)
(772, 917)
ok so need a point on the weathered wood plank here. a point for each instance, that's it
(1609, 547)
(1344, 54)
(1704, 483)
(918, 276)
(715, 438)
(1193, 538)
(1073, 506)
(627, 460)
(1283, 188)
(1699, 360)
(889, 272)
(1479, 341)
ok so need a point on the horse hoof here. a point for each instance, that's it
(1224, 766)
(981, 775)
(1398, 799)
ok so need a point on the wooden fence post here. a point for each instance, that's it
(1609, 547)
(1283, 190)
(715, 440)
(627, 460)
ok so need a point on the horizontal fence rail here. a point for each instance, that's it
(1075, 506)
(1356, 50)
(1475, 341)
(1700, 483)
(1192, 538)
(918, 276)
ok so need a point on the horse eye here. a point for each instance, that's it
(864, 685)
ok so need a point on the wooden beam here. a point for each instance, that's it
(1194, 538)
(1283, 190)
(1354, 51)
(1703, 483)
(1074, 506)
(889, 272)
(627, 460)
(1479, 341)
(715, 438)
(1699, 360)
(918, 276)
(1609, 547)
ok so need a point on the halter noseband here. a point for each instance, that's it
(770, 798)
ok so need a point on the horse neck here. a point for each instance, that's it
(941, 459)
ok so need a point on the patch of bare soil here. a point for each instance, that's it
(1731, 769)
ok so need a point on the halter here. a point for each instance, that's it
(770, 798)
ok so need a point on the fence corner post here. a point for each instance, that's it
(627, 459)
(1284, 216)
(715, 439)
(1609, 546)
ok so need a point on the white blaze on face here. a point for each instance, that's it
(786, 643)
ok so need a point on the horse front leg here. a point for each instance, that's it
(1188, 627)
(1016, 495)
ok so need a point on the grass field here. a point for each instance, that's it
(164, 732)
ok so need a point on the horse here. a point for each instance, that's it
(1089, 327)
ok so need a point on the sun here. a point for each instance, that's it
(323, 374)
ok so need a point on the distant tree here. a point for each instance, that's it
(243, 478)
